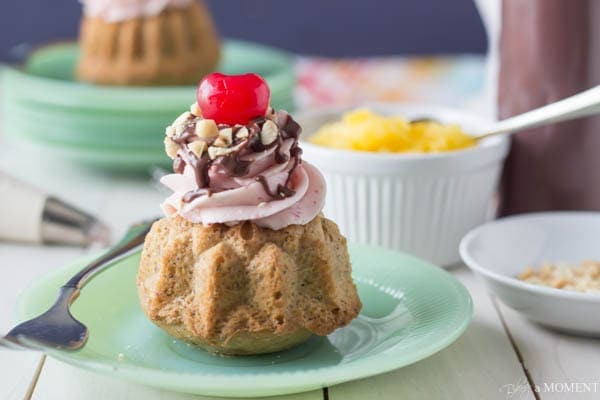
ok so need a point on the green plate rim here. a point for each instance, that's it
(286, 382)
(81, 95)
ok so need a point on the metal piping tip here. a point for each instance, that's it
(65, 224)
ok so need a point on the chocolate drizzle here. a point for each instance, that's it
(234, 166)
(185, 156)
(280, 157)
(288, 126)
(281, 193)
(185, 137)
(178, 165)
(187, 133)
(194, 194)
(232, 163)
(295, 152)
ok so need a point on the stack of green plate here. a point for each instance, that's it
(118, 128)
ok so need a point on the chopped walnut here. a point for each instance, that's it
(198, 147)
(220, 142)
(269, 132)
(170, 131)
(195, 109)
(242, 133)
(206, 129)
(171, 148)
(227, 136)
(182, 119)
(584, 277)
(214, 152)
(180, 123)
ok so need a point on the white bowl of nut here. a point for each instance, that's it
(544, 265)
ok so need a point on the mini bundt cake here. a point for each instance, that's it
(244, 262)
(245, 289)
(143, 45)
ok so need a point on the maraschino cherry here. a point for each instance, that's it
(233, 99)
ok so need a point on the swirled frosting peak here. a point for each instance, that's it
(122, 10)
(234, 173)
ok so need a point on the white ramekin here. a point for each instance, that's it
(421, 204)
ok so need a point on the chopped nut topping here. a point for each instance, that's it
(195, 109)
(220, 142)
(198, 147)
(182, 119)
(206, 129)
(179, 129)
(227, 135)
(583, 277)
(214, 152)
(170, 131)
(242, 133)
(171, 148)
(269, 133)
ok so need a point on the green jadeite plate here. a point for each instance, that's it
(47, 79)
(115, 127)
(411, 310)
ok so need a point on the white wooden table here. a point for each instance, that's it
(500, 356)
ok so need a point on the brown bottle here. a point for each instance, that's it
(550, 49)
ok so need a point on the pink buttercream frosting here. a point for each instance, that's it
(232, 199)
(122, 10)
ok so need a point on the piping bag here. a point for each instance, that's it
(29, 215)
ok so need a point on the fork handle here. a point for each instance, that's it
(133, 239)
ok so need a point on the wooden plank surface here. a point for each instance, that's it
(17, 370)
(561, 366)
(476, 366)
(20, 265)
(60, 381)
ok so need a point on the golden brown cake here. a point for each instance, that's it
(178, 46)
(244, 262)
(245, 289)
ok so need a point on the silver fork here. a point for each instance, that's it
(57, 328)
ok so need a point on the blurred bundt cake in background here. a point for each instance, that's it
(146, 42)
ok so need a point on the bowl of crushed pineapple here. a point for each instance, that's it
(405, 176)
